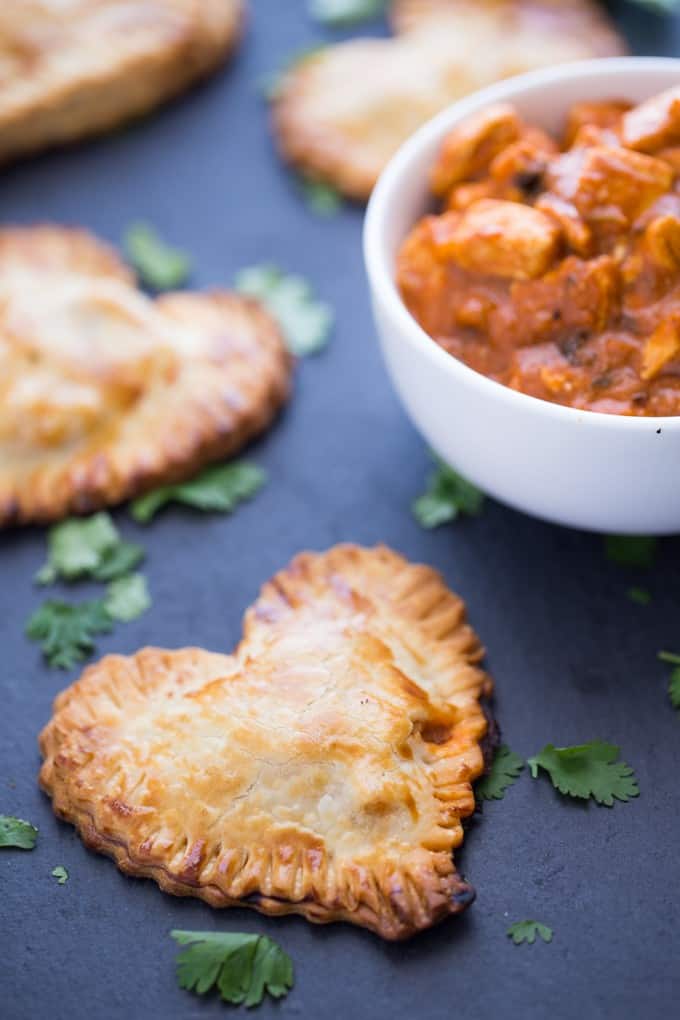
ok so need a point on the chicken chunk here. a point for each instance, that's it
(569, 303)
(469, 149)
(497, 238)
(609, 186)
(653, 124)
(603, 114)
(661, 347)
(662, 241)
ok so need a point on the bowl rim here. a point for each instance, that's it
(380, 269)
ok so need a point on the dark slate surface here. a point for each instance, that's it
(573, 658)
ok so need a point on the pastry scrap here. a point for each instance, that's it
(106, 393)
(323, 769)
(342, 112)
(73, 69)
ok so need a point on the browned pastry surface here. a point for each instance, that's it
(70, 69)
(323, 769)
(342, 112)
(104, 392)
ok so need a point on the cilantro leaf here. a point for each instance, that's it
(321, 198)
(505, 768)
(60, 873)
(218, 489)
(158, 266)
(304, 321)
(66, 632)
(631, 550)
(526, 931)
(659, 6)
(15, 832)
(674, 688)
(674, 682)
(587, 770)
(448, 495)
(87, 547)
(344, 13)
(640, 596)
(242, 967)
(127, 597)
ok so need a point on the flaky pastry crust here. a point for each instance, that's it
(341, 113)
(106, 393)
(73, 69)
(323, 769)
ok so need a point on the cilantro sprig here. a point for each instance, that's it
(243, 968)
(127, 598)
(631, 550)
(60, 873)
(587, 770)
(218, 489)
(505, 769)
(526, 931)
(321, 198)
(66, 632)
(345, 13)
(158, 266)
(88, 547)
(448, 494)
(17, 833)
(305, 322)
(674, 683)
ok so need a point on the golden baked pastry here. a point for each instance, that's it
(341, 113)
(322, 769)
(104, 392)
(69, 69)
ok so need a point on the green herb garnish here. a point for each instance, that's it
(505, 769)
(60, 873)
(305, 322)
(448, 495)
(631, 550)
(587, 770)
(526, 931)
(243, 968)
(158, 266)
(88, 547)
(66, 632)
(218, 489)
(321, 198)
(15, 832)
(674, 682)
(640, 596)
(127, 597)
(345, 13)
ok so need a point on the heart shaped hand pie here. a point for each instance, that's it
(105, 393)
(322, 769)
(72, 69)
(343, 111)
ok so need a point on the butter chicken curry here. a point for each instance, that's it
(555, 268)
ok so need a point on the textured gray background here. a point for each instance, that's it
(573, 659)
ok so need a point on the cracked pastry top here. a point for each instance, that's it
(341, 112)
(70, 68)
(553, 265)
(322, 769)
(104, 392)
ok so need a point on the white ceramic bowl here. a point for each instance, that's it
(602, 472)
